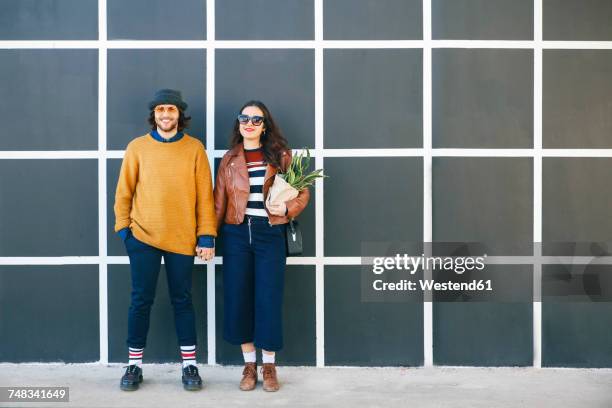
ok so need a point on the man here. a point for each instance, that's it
(164, 208)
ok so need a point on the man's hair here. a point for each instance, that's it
(183, 120)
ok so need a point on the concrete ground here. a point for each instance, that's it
(93, 385)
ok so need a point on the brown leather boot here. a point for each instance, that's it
(270, 382)
(249, 377)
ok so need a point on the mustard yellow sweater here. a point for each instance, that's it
(164, 193)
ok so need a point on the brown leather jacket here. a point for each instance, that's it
(232, 189)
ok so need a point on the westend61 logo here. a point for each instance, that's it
(411, 264)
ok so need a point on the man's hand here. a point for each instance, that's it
(205, 254)
(276, 208)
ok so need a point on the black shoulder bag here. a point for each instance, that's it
(294, 238)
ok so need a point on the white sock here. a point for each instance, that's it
(249, 357)
(135, 356)
(267, 358)
(188, 353)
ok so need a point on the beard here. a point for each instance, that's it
(167, 127)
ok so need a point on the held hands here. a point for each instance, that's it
(276, 208)
(205, 254)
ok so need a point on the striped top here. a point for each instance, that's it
(256, 166)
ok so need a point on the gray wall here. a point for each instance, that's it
(372, 97)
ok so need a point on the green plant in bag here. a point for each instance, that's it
(296, 175)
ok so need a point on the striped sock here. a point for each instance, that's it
(135, 356)
(188, 353)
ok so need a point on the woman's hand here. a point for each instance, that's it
(276, 208)
(205, 254)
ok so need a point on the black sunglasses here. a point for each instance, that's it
(255, 119)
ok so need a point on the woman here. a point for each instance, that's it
(254, 252)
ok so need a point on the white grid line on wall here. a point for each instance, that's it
(427, 180)
(319, 152)
(102, 162)
(327, 260)
(211, 316)
(537, 183)
(319, 213)
(306, 44)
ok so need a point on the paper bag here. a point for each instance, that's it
(281, 191)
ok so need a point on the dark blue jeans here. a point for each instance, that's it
(254, 257)
(145, 263)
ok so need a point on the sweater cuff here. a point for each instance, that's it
(123, 233)
(206, 241)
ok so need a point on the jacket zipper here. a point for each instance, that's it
(264, 201)
(249, 219)
(235, 201)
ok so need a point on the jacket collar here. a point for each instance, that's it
(238, 151)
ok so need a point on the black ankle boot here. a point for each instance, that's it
(132, 378)
(191, 379)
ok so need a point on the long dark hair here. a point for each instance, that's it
(273, 142)
(183, 121)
